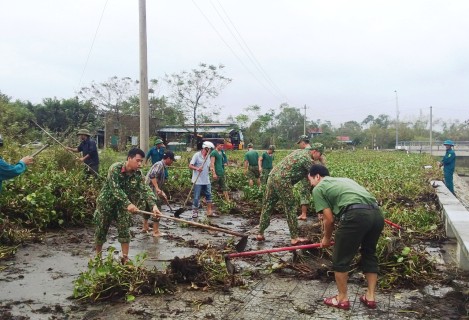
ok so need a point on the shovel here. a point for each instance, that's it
(240, 246)
(178, 212)
(230, 267)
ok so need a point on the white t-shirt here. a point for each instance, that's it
(197, 160)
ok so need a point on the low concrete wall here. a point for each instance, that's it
(456, 219)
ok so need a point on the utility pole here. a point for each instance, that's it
(304, 123)
(397, 120)
(431, 129)
(144, 113)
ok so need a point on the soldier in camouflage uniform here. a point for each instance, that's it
(123, 191)
(305, 187)
(282, 178)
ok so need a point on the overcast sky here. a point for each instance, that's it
(343, 59)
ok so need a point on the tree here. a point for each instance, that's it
(194, 91)
(14, 119)
(290, 123)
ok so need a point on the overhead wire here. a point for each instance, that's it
(92, 44)
(232, 51)
(244, 46)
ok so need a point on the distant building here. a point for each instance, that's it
(314, 132)
(344, 139)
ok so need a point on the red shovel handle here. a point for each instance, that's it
(252, 253)
(392, 224)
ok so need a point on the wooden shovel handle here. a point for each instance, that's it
(200, 225)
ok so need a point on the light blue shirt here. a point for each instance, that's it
(197, 160)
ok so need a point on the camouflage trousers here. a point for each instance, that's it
(305, 192)
(253, 172)
(104, 215)
(265, 175)
(281, 192)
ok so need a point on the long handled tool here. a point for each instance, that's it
(45, 131)
(178, 212)
(40, 150)
(240, 246)
(230, 266)
(394, 225)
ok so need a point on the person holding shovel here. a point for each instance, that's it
(123, 191)
(156, 178)
(200, 166)
(292, 169)
(360, 224)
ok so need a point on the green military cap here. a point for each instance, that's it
(272, 147)
(317, 146)
(304, 138)
(158, 141)
(250, 145)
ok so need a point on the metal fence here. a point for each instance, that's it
(424, 146)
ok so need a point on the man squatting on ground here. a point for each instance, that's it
(305, 188)
(266, 163)
(156, 178)
(251, 165)
(89, 151)
(123, 191)
(292, 169)
(200, 166)
(217, 167)
(361, 223)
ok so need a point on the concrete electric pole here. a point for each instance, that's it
(144, 113)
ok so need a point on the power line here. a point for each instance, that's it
(244, 46)
(232, 51)
(92, 44)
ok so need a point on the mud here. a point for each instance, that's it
(38, 280)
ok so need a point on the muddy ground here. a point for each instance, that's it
(38, 281)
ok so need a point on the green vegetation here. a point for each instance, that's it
(52, 194)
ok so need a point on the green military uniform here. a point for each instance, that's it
(359, 227)
(267, 165)
(120, 189)
(220, 160)
(305, 186)
(292, 169)
(252, 157)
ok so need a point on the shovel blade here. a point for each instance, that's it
(241, 245)
(229, 266)
(179, 211)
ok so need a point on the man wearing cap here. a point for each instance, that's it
(266, 163)
(217, 167)
(289, 171)
(448, 163)
(89, 151)
(305, 188)
(156, 152)
(251, 165)
(156, 178)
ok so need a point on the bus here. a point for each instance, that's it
(217, 133)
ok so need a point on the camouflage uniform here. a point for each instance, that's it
(305, 186)
(119, 191)
(282, 178)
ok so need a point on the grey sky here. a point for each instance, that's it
(342, 59)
